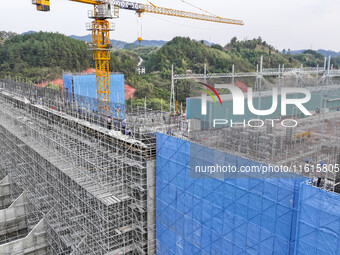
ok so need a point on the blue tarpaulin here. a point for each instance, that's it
(82, 89)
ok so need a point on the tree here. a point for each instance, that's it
(144, 89)
(233, 41)
(217, 46)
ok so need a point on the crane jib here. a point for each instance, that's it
(144, 8)
(100, 28)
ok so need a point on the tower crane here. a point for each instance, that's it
(101, 27)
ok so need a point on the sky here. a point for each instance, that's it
(290, 24)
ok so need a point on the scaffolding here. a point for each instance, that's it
(90, 182)
(315, 140)
(93, 181)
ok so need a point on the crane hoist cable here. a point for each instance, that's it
(198, 8)
(139, 29)
(151, 3)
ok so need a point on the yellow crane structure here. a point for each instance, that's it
(101, 27)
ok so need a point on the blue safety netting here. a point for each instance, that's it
(83, 92)
(318, 224)
(220, 216)
(241, 215)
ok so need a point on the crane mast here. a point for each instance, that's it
(100, 28)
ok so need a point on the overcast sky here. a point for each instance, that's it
(294, 24)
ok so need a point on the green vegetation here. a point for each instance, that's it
(44, 56)
(145, 52)
(187, 54)
(252, 50)
(311, 58)
(5, 36)
(191, 55)
(124, 61)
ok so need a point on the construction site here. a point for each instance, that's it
(72, 184)
(81, 172)
(211, 212)
(88, 186)
(312, 140)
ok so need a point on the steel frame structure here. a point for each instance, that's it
(101, 55)
(90, 185)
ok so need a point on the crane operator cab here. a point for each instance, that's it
(107, 11)
(42, 5)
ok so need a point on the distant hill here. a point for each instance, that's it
(152, 43)
(28, 32)
(207, 43)
(124, 45)
(144, 43)
(187, 54)
(85, 38)
(293, 52)
(88, 38)
(325, 53)
(118, 44)
(159, 43)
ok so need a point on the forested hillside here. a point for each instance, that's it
(187, 54)
(44, 56)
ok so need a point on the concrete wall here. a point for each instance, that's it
(33, 244)
(5, 193)
(13, 219)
